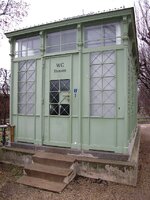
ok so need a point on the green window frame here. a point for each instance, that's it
(102, 35)
(26, 87)
(26, 47)
(103, 84)
(61, 41)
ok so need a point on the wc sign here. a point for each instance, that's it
(60, 67)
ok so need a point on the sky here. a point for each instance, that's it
(46, 11)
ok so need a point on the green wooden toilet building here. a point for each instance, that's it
(74, 82)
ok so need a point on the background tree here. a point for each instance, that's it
(143, 31)
(4, 95)
(12, 13)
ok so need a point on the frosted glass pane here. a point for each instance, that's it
(22, 76)
(30, 86)
(30, 109)
(109, 110)
(21, 109)
(22, 66)
(96, 110)
(109, 57)
(31, 65)
(22, 87)
(22, 98)
(96, 71)
(96, 97)
(96, 58)
(109, 70)
(96, 84)
(109, 83)
(30, 98)
(26, 86)
(30, 75)
(109, 97)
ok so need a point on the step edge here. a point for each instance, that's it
(60, 157)
(22, 180)
(50, 170)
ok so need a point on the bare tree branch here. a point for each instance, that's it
(12, 13)
(143, 30)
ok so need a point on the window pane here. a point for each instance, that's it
(64, 85)
(109, 110)
(22, 87)
(109, 83)
(109, 34)
(67, 47)
(22, 76)
(109, 70)
(53, 49)
(36, 43)
(93, 36)
(30, 86)
(96, 110)
(64, 109)
(22, 98)
(54, 85)
(68, 40)
(27, 47)
(54, 97)
(96, 97)
(53, 39)
(54, 109)
(102, 35)
(30, 98)
(103, 84)
(109, 97)
(31, 65)
(61, 41)
(96, 83)
(96, 58)
(96, 71)
(68, 36)
(22, 66)
(21, 108)
(30, 109)
(109, 57)
(26, 87)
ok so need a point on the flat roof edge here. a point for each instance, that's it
(71, 21)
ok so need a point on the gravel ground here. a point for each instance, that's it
(83, 188)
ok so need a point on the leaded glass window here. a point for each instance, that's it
(103, 84)
(26, 87)
(27, 47)
(59, 97)
(102, 35)
(61, 41)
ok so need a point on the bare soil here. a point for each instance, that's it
(83, 188)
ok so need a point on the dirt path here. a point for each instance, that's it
(83, 188)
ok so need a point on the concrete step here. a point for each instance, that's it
(42, 183)
(48, 172)
(53, 159)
